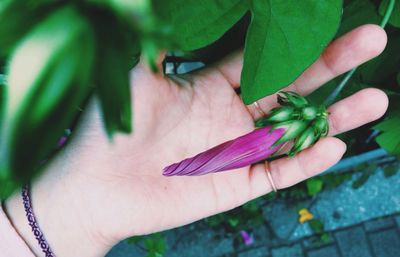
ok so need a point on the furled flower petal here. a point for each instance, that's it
(240, 152)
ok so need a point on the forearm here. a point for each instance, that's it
(65, 230)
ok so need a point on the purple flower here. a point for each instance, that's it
(247, 237)
(237, 153)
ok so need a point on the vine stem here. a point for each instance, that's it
(331, 98)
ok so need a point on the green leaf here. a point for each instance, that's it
(155, 245)
(48, 79)
(357, 13)
(314, 186)
(360, 181)
(197, 23)
(391, 170)
(284, 38)
(395, 17)
(316, 226)
(118, 50)
(233, 222)
(389, 139)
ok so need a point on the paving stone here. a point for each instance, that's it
(208, 243)
(258, 252)
(283, 217)
(385, 243)
(327, 251)
(353, 242)
(288, 251)
(378, 224)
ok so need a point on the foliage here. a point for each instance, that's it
(153, 245)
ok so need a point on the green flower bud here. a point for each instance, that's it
(321, 126)
(280, 114)
(291, 98)
(309, 113)
(306, 139)
(292, 129)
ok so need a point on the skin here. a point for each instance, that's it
(96, 192)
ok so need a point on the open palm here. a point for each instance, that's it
(119, 184)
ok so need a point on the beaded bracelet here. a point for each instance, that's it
(44, 245)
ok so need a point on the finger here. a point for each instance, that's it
(286, 172)
(364, 106)
(343, 54)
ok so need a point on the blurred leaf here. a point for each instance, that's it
(48, 79)
(357, 13)
(278, 48)
(17, 18)
(360, 181)
(316, 226)
(2, 98)
(197, 23)
(389, 139)
(395, 17)
(118, 50)
(314, 186)
(387, 64)
(125, 8)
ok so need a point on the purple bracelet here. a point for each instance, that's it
(33, 223)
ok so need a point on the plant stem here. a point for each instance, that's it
(331, 98)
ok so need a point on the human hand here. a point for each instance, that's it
(96, 192)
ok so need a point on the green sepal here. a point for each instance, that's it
(321, 125)
(48, 79)
(292, 129)
(290, 98)
(280, 114)
(306, 139)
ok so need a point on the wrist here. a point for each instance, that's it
(57, 218)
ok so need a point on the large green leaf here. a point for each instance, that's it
(197, 23)
(283, 39)
(48, 78)
(395, 17)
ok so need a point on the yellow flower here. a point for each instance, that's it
(305, 215)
